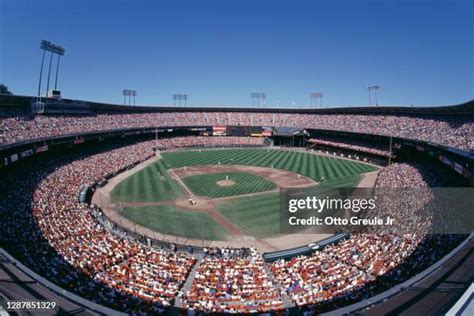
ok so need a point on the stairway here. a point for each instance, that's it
(284, 297)
(188, 283)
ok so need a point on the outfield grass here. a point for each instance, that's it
(318, 168)
(259, 216)
(150, 184)
(167, 219)
(245, 183)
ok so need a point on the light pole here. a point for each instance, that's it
(180, 97)
(316, 95)
(41, 72)
(375, 88)
(185, 98)
(258, 96)
(54, 50)
(129, 93)
(175, 97)
(263, 96)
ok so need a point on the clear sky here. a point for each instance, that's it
(420, 52)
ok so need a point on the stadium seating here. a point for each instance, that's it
(454, 132)
(50, 231)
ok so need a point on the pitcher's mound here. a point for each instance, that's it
(225, 183)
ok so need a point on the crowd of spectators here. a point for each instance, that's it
(418, 195)
(58, 237)
(366, 263)
(358, 146)
(207, 141)
(455, 131)
(234, 282)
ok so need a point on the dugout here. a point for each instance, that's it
(290, 137)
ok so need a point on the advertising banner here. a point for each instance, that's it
(267, 131)
(218, 130)
(41, 149)
(26, 153)
(445, 160)
(458, 168)
(79, 140)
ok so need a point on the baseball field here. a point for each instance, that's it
(236, 190)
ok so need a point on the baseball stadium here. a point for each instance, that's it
(153, 209)
(182, 209)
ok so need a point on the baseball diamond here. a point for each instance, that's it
(163, 188)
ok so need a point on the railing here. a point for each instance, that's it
(462, 304)
(56, 289)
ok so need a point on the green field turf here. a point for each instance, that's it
(167, 219)
(152, 183)
(318, 168)
(259, 216)
(245, 183)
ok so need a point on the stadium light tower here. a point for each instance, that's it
(185, 98)
(263, 96)
(54, 49)
(175, 97)
(179, 97)
(375, 88)
(258, 96)
(134, 94)
(129, 93)
(316, 95)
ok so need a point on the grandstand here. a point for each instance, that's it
(47, 160)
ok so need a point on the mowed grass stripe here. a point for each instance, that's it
(138, 186)
(344, 168)
(258, 216)
(156, 183)
(252, 159)
(352, 168)
(277, 160)
(146, 186)
(311, 167)
(299, 166)
(319, 166)
(269, 158)
(334, 169)
(283, 161)
(235, 156)
(167, 219)
(348, 169)
(149, 183)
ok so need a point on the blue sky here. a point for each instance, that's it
(420, 52)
